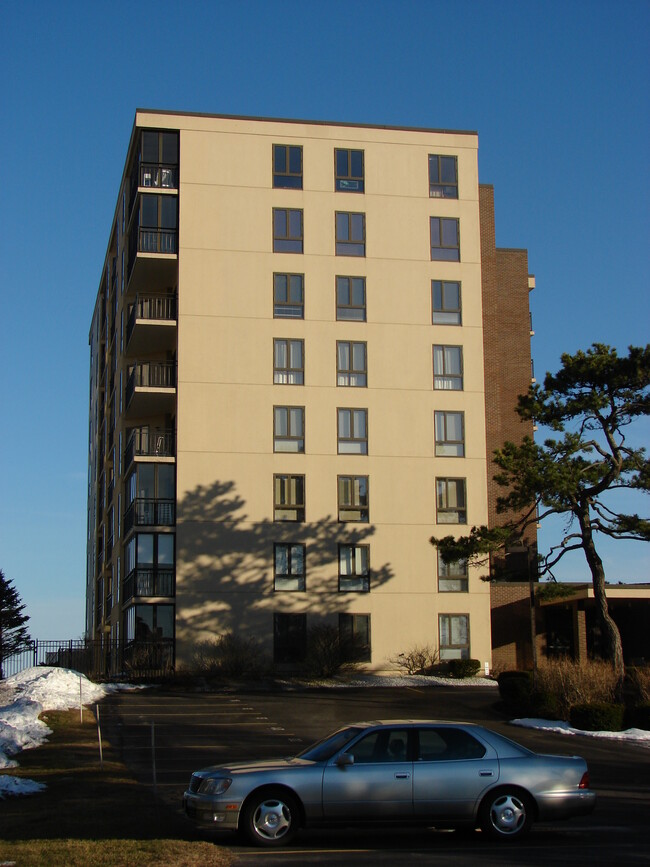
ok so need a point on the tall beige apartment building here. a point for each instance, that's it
(304, 348)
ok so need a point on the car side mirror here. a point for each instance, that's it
(344, 760)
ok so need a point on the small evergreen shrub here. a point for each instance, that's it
(598, 716)
(638, 717)
(516, 689)
(460, 668)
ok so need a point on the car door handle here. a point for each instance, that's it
(402, 776)
(486, 773)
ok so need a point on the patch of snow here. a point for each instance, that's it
(639, 736)
(33, 692)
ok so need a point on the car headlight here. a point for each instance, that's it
(215, 785)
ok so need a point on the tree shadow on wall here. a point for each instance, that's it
(225, 567)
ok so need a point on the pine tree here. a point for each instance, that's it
(13, 631)
(590, 402)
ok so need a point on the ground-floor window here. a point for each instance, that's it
(149, 623)
(289, 637)
(454, 636)
(354, 636)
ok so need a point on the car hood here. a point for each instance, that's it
(258, 765)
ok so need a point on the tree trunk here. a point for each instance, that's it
(611, 635)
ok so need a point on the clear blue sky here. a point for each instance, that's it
(558, 92)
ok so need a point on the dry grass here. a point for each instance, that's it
(571, 683)
(90, 814)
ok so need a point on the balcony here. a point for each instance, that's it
(146, 442)
(150, 512)
(150, 581)
(151, 327)
(151, 389)
(160, 176)
(152, 257)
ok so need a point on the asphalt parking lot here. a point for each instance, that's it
(164, 736)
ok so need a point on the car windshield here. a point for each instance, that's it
(327, 747)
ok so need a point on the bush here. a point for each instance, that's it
(418, 660)
(638, 717)
(637, 685)
(516, 689)
(324, 656)
(228, 655)
(460, 668)
(597, 716)
(572, 683)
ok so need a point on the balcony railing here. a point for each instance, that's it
(150, 512)
(161, 308)
(145, 442)
(149, 582)
(151, 374)
(159, 176)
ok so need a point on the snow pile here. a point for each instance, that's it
(639, 736)
(31, 693)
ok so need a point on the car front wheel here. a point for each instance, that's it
(270, 818)
(506, 814)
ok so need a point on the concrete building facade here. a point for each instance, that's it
(296, 334)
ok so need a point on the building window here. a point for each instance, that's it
(354, 568)
(448, 368)
(289, 569)
(288, 498)
(351, 364)
(353, 498)
(348, 170)
(443, 177)
(451, 502)
(350, 234)
(289, 429)
(149, 565)
(452, 577)
(445, 302)
(147, 623)
(445, 239)
(354, 637)
(454, 636)
(287, 167)
(157, 225)
(287, 230)
(288, 362)
(289, 296)
(353, 431)
(351, 299)
(289, 638)
(450, 434)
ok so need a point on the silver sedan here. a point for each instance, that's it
(436, 773)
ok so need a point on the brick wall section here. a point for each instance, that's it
(506, 342)
(511, 632)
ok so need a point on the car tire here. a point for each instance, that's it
(270, 817)
(506, 814)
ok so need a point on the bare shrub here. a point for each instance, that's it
(324, 656)
(418, 660)
(571, 683)
(228, 655)
(638, 684)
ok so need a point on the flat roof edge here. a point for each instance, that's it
(168, 112)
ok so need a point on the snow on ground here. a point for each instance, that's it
(34, 691)
(23, 697)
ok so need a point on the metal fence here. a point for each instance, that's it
(98, 660)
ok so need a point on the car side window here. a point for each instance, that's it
(447, 744)
(380, 747)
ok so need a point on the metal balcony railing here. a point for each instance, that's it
(145, 442)
(160, 308)
(149, 581)
(151, 374)
(150, 512)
